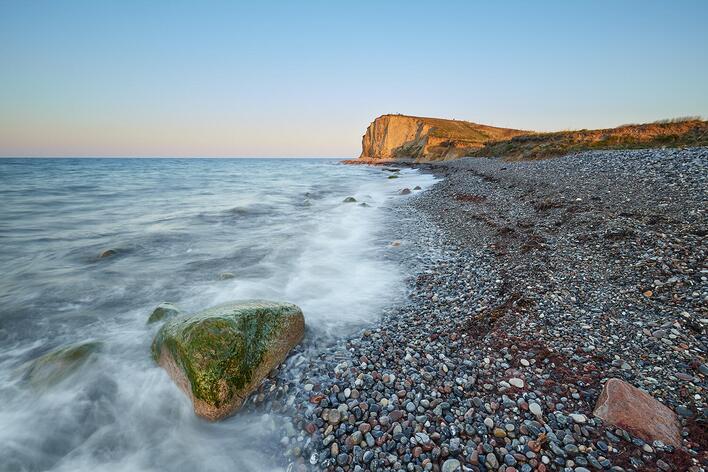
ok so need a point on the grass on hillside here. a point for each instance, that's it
(682, 132)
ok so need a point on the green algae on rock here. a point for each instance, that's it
(54, 366)
(220, 355)
(163, 310)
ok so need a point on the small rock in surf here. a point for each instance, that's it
(163, 310)
(107, 253)
(55, 366)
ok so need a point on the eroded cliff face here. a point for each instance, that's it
(401, 137)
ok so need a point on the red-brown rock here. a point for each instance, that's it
(624, 406)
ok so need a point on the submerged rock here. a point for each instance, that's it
(108, 253)
(349, 200)
(227, 276)
(405, 191)
(624, 406)
(393, 176)
(55, 366)
(220, 355)
(163, 310)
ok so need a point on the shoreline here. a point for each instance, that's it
(543, 275)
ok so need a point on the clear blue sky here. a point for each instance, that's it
(228, 78)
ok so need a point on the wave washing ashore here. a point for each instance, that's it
(195, 232)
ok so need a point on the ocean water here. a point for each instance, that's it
(278, 226)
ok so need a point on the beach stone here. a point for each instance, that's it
(220, 355)
(334, 417)
(516, 382)
(578, 418)
(626, 407)
(405, 191)
(55, 366)
(163, 310)
(535, 408)
(368, 456)
(492, 461)
(451, 465)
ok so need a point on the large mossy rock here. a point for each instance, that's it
(220, 355)
(55, 366)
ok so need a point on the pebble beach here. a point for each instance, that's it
(531, 284)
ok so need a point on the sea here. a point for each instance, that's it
(193, 232)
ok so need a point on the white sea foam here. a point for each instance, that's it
(122, 412)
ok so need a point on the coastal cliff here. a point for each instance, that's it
(416, 139)
(401, 137)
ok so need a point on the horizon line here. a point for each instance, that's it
(175, 157)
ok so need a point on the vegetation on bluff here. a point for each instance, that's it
(691, 132)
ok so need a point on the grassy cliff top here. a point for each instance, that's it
(459, 130)
(691, 132)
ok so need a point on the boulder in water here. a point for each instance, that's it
(227, 276)
(54, 366)
(405, 191)
(393, 176)
(220, 355)
(349, 200)
(163, 310)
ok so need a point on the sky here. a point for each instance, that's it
(305, 78)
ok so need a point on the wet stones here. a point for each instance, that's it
(523, 284)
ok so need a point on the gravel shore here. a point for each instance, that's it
(535, 282)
